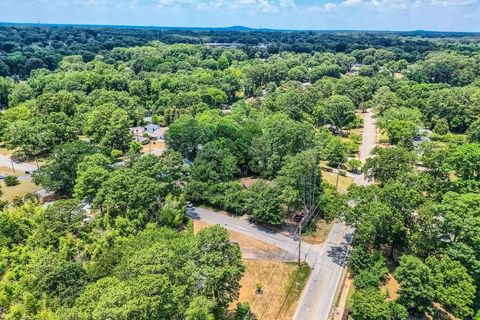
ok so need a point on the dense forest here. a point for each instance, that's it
(25, 48)
(117, 244)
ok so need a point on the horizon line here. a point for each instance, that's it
(221, 28)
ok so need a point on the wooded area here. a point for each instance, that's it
(118, 243)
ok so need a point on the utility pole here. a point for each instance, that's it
(300, 242)
(338, 176)
(13, 168)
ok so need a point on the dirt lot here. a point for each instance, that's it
(282, 282)
(343, 182)
(318, 237)
(391, 288)
(282, 285)
(25, 186)
(156, 148)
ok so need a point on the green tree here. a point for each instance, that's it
(441, 127)
(281, 137)
(173, 211)
(200, 309)
(265, 201)
(416, 284)
(389, 164)
(370, 304)
(130, 195)
(454, 287)
(220, 264)
(473, 132)
(465, 160)
(402, 132)
(337, 111)
(300, 180)
(183, 136)
(59, 174)
(215, 162)
(383, 100)
(108, 126)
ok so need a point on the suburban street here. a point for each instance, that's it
(320, 291)
(326, 260)
(6, 161)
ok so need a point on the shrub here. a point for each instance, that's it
(11, 181)
(441, 127)
(354, 165)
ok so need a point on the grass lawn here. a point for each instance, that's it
(349, 303)
(321, 233)
(343, 182)
(282, 286)
(25, 186)
(382, 137)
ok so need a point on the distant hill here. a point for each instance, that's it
(424, 33)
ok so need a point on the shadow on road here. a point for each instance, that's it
(338, 254)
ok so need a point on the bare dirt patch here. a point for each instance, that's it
(25, 187)
(282, 285)
(320, 235)
(251, 248)
(343, 181)
(391, 288)
(156, 148)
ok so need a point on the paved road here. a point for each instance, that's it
(5, 161)
(286, 243)
(317, 299)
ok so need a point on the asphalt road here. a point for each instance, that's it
(5, 161)
(320, 291)
(288, 244)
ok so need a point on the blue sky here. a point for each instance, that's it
(443, 15)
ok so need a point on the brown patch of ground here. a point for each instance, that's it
(25, 187)
(391, 288)
(320, 235)
(156, 147)
(343, 182)
(282, 284)
(9, 171)
(6, 152)
(251, 248)
(248, 181)
(398, 75)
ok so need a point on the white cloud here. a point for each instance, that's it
(351, 3)
(446, 3)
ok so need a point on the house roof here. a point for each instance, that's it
(160, 132)
(151, 127)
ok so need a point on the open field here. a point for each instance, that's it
(282, 282)
(321, 233)
(156, 148)
(343, 182)
(25, 186)
(282, 285)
